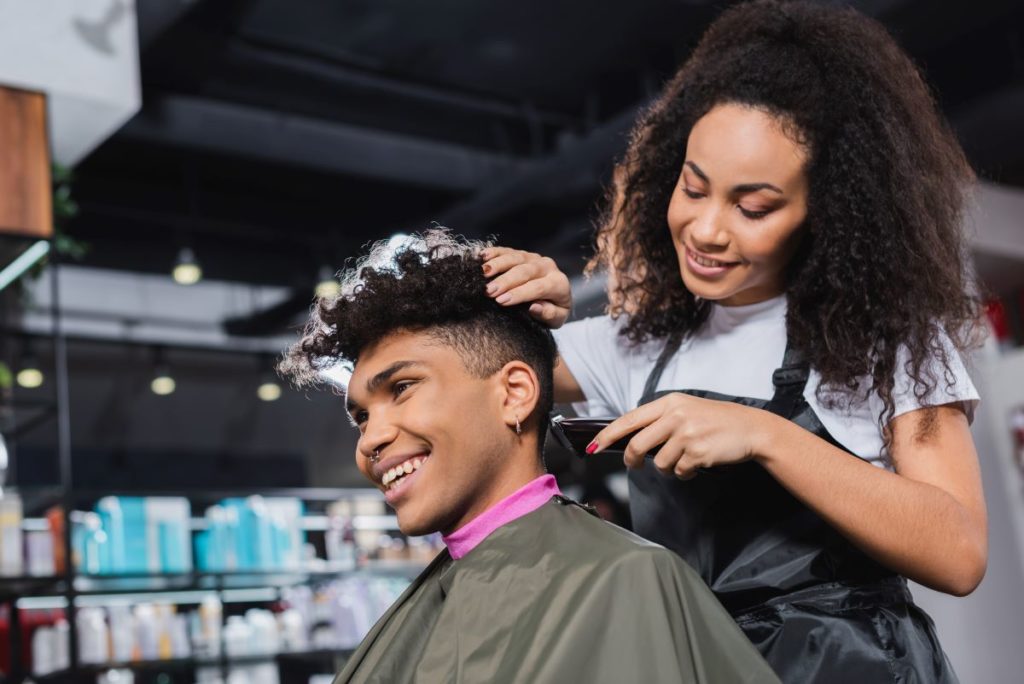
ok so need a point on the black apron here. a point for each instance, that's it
(818, 608)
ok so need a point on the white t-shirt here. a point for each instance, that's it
(735, 352)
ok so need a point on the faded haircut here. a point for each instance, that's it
(432, 283)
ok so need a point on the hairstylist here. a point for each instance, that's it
(789, 306)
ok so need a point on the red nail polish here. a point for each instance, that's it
(591, 448)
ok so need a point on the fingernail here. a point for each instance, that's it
(504, 298)
(536, 308)
(592, 447)
(491, 288)
(487, 269)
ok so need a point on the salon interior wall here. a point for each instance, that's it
(982, 632)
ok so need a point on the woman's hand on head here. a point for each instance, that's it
(518, 277)
(687, 433)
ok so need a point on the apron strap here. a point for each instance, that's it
(671, 347)
(789, 381)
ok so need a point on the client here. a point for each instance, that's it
(450, 392)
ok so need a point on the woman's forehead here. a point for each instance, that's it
(745, 144)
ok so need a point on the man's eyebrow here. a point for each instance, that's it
(739, 189)
(374, 383)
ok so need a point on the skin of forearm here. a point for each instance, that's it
(915, 528)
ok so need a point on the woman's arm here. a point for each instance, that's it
(926, 521)
(566, 388)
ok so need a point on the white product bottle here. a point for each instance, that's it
(42, 651)
(265, 636)
(12, 563)
(93, 638)
(293, 631)
(237, 637)
(122, 633)
(39, 549)
(211, 616)
(62, 645)
(179, 637)
(147, 631)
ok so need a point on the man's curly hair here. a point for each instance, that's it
(432, 283)
(883, 260)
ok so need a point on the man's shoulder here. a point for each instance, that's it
(580, 531)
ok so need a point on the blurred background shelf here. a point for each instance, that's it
(313, 657)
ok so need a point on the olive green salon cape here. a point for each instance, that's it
(557, 595)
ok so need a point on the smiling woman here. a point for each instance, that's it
(789, 302)
(734, 236)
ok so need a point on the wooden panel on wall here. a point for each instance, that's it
(26, 195)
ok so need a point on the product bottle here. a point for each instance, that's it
(11, 561)
(148, 631)
(122, 633)
(43, 651)
(93, 638)
(112, 520)
(62, 645)
(210, 619)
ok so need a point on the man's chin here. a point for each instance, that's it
(412, 525)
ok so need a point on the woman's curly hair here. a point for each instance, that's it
(883, 263)
(434, 283)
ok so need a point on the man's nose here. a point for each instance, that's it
(379, 431)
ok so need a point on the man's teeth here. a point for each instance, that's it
(400, 471)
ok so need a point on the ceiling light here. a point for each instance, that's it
(186, 268)
(269, 391)
(29, 375)
(327, 286)
(30, 378)
(162, 383)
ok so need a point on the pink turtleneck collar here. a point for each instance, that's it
(526, 499)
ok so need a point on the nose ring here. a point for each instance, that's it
(376, 456)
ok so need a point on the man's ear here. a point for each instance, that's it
(520, 392)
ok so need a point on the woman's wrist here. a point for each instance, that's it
(768, 432)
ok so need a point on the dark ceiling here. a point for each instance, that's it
(277, 135)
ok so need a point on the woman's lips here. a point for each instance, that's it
(706, 266)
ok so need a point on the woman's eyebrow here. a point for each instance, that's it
(744, 188)
(696, 169)
(741, 189)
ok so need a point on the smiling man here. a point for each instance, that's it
(450, 392)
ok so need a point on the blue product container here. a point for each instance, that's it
(246, 533)
(136, 543)
(201, 543)
(262, 534)
(173, 557)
